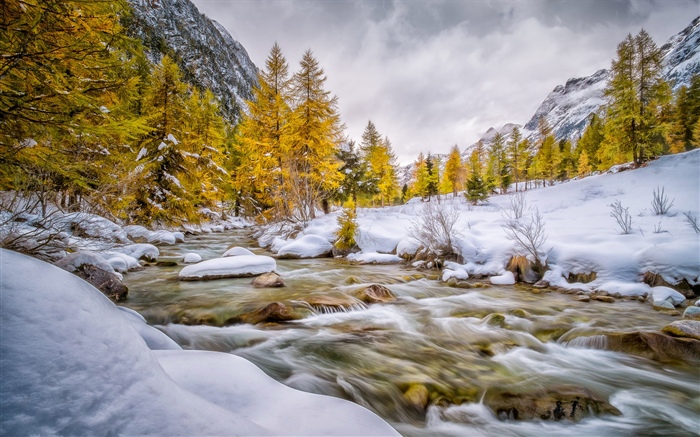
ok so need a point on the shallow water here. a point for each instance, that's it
(458, 343)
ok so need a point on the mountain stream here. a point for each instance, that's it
(432, 361)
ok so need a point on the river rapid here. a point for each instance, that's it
(459, 344)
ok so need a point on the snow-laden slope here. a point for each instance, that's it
(582, 236)
(74, 364)
(206, 53)
(567, 107)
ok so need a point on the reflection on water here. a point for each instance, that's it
(460, 344)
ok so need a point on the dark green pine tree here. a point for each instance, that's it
(433, 176)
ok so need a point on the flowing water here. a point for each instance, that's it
(460, 344)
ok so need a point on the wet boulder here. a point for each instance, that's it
(334, 303)
(692, 313)
(555, 404)
(417, 396)
(684, 328)
(657, 346)
(271, 313)
(268, 280)
(376, 294)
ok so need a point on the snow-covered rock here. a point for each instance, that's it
(458, 273)
(307, 246)
(85, 225)
(374, 258)
(506, 278)
(192, 258)
(140, 251)
(104, 380)
(229, 267)
(237, 251)
(661, 294)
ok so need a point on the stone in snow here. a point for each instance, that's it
(229, 267)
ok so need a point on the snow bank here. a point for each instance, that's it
(307, 246)
(229, 267)
(582, 237)
(137, 232)
(104, 380)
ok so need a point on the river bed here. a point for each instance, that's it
(459, 344)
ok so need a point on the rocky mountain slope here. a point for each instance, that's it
(206, 53)
(568, 106)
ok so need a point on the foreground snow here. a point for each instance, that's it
(582, 236)
(74, 364)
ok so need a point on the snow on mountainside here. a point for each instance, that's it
(206, 53)
(568, 106)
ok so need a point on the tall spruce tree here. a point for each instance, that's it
(636, 93)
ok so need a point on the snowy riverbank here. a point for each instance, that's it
(582, 237)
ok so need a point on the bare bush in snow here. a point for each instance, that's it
(436, 228)
(622, 217)
(660, 203)
(692, 221)
(517, 205)
(529, 236)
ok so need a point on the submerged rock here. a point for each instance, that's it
(558, 403)
(376, 294)
(684, 328)
(601, 298)
(268, 280)
(655, 345)
(274, 312)
(417, 396)
(334, 303)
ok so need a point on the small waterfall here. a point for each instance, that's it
(333, 309)
(599, 342)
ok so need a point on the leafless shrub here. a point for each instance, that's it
(529, 236)
(692, 221)
(517, 206)
(658, 229)
(622, 216)
(436, 228)
(660, 204)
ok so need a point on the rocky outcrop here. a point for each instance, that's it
(683, 286)
(555, 404)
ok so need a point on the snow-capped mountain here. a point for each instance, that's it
(568, 106)
(206, 53)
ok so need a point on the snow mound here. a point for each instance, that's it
(237, 251)
(229, 267)
(85, 225)
(137, 232)
(73, 261)
(104, 380)
(505, 279)
(192, 258)
(307, 246)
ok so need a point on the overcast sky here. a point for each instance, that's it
(431, 74)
